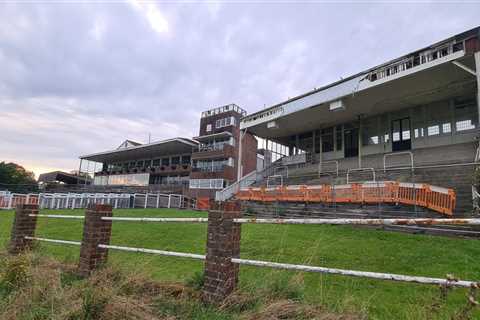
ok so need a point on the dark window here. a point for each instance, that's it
(339, 137)
(175, 160)
(327, 140)
(132, 164)
(185, 159)
(156, 162)
(148, 163)
(139, 164)
(165, 161)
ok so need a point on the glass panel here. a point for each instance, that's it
(339, 138)
(405, 129)
(396, 131)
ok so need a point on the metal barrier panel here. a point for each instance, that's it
(441, 200)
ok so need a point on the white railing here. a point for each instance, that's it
(475, 193)
(396, 154)
(228, 192)
(82, 200)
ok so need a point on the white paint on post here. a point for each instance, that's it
(169, 200)
(190, 220)
(154, 251)
(146, 200)
(55, 241)
(477, 67)
(424, 221)
(362, 274)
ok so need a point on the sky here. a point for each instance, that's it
(82, 77)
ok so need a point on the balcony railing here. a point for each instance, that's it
(214, 168)
(213, 147)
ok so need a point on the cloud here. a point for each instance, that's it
(79, 78)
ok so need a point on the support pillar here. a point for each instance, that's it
(95, 231)
(297, 143)
(23, 226)
(360, 141)
(223, 244)
(477, 67)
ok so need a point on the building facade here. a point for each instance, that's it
(425, 99)
(215, 164)
(159, 165)
(419, 111)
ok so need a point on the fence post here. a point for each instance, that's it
(95, 231)
(23, 226)
(223, 243)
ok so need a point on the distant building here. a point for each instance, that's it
(216, 162)
(198, 166)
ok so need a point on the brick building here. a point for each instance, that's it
(215, 162)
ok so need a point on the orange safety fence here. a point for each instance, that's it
(203, 203)
(435, 198)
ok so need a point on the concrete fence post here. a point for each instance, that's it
(23, 226)
(223, 243)
(95, 231)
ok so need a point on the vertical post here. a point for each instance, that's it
(239, 160)
(477, 68)
(95, 231)
(297, 144)
(360, 141)
(23, 226)
(320, 154)
(169, 200)
(223, 244)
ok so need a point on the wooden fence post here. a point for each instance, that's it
(95, 231)
(223, 243)
(23, 226)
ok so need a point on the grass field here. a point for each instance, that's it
(332, 246)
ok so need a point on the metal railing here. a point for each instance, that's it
(82, 200)
(385, 156)
(438, 199)
(228, 192)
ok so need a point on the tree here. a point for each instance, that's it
(12, 173)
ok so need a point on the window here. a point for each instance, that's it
(209, 128)
(148, 163)
(446, 127)
(339, 137)
(206, 183)
(220, 123)
(464, 125)
(370, 132)
(140, 164)
(419, 133)
(327, 139)
(465, 114)
(165, 161)
(156, 162)
(185, 159)
(175, 160)
(433, 130)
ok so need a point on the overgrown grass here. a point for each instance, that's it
(333, 246)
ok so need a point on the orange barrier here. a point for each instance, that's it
(203, 203)
(435, 198)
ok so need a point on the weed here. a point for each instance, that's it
(196, 281)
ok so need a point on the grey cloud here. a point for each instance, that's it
(79, 78)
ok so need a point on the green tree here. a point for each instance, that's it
(12, 173)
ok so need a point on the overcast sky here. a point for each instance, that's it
(80, 78)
